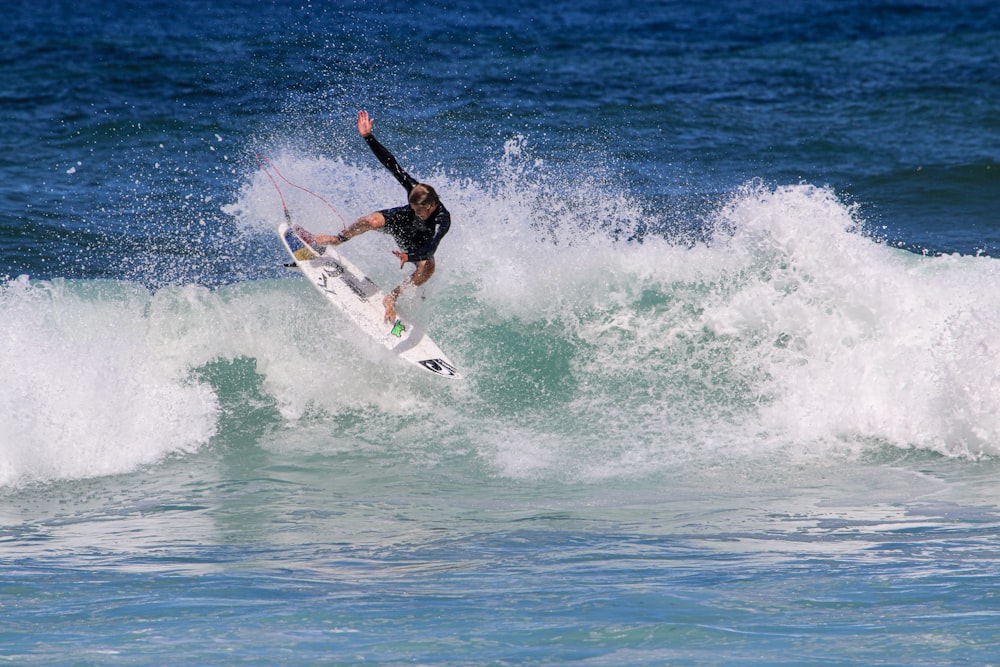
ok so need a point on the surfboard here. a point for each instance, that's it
(354, 294)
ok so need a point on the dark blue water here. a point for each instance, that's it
(158, 109)
(721, 281)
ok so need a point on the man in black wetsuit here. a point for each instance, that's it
(417, 227)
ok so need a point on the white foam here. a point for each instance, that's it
(790, 334)
(101, 377)
(856, 339)
(83, 394)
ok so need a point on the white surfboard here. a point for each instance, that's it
(360, 299)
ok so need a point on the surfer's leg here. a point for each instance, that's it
(425, 269)
(361, 225)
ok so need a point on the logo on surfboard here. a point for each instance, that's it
(439, 366)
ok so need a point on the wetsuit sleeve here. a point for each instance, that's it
(390, 163)
(426, 251)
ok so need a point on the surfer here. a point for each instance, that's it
(417, 227)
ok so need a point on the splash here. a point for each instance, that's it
(788, 335)
(857, 340)
(84, 393)
(105, 377)
(788, 332)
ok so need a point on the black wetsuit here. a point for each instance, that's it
(417, 238)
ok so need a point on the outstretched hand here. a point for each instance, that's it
(364, 124)
(403, 258)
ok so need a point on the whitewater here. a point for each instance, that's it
(793, 333)
(721, 281)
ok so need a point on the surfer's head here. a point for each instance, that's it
(423, 200)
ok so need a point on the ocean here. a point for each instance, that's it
(723, 281)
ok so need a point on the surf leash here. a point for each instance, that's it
(267, 167)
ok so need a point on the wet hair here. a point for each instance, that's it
(423, 195)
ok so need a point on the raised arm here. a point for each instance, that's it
(383, 155)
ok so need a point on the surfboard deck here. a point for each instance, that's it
(354, 294)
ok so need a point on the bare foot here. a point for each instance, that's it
(390, 308)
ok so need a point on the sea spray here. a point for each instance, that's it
(589, 355)
(83, 394)
(858, 341)
(788, 323)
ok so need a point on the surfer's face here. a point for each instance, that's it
(424, 211)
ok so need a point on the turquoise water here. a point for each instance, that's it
(721, 282)
(263, 557)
